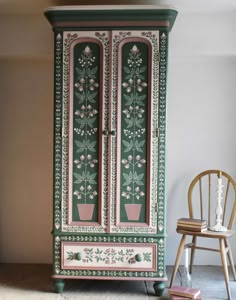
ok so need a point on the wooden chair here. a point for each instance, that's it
(204, 188)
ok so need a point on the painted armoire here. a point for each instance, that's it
(109, 142)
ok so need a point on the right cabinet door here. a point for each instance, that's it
(134, 119)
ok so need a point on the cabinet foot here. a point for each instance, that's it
(59, 285)
(159, 288)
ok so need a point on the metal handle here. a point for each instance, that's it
(138, 257)
(78, 256)
(135, 259)
(113, 133)
(105, 132)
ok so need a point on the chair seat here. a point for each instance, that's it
(208, 233)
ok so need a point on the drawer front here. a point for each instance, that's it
(109, 256)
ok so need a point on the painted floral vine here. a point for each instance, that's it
(133, 138)
(86, 116)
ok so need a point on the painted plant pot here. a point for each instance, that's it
(85, 211)
(133, 211)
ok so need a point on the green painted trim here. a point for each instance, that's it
(57, 130)
(56, 15)
(161, 192)
(113, 235)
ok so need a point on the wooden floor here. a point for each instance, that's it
(32, 282)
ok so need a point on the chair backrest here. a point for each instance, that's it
(203, 194)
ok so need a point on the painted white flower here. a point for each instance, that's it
(135, 49)
(87, 51)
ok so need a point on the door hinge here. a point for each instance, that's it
(156, 207)
(156, 132)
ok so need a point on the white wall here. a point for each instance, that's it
(201, 111)
(201, 119)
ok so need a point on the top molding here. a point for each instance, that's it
(111, 16)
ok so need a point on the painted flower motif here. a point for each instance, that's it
(140, 85)
(80, 84)
(128, 193)
(130, 157)
(127, 87)
(127, 113)
(135, 49)
(77, 194)
(87, 51)
(86, 112)
(92, 84)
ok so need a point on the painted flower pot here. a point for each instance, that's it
(133, 211)
(85, 211)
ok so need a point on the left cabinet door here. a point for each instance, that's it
(85, 136)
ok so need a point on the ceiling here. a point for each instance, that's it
(183, 6)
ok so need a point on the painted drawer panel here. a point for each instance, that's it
(107, 256)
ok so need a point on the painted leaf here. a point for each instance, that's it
(94, 70)
(129, 122)
(129, 99)
(81, 122)
(127, 178)
(138, 122)
(78, 177)
(90, 121)
(91, 146)
(128, 145)
(138, 145)
(91, 96)
(127, 70)
(80, 73)
(139, 76)
(143, 69)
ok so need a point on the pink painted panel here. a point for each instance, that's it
(108, 256)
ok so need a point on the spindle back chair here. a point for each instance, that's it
(203, 194)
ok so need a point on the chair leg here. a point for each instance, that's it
(194, 240)
(177, 260)
(230, 257)
(225, 267)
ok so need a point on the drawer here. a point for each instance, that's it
(108, 256)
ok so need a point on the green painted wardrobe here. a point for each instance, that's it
(110, 142)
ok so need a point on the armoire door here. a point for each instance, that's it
(135, 66)
(85, 131)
